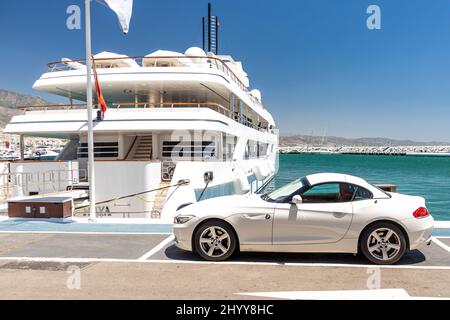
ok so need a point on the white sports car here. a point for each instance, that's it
(323, 212)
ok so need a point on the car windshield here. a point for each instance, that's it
(280, 194)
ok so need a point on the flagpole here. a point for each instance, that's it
(91, 168)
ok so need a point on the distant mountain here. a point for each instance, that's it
(296, 140)
(10, 100)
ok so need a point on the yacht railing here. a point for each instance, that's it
(24, 183)
(45, 107)
(211, 105)
(147, 105)
(171, 105)
(150, 62)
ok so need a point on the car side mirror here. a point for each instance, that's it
(297, 199)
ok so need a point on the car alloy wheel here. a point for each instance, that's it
(383, 243)
(215, 241)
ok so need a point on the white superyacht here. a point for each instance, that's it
(171, 117)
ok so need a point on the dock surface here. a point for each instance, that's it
(142, 262)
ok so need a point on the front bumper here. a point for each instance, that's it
(183, 234)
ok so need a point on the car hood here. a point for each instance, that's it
(223, 206)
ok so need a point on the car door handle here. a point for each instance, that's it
(339, 213)
(256, 216)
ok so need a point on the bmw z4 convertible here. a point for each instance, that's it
(325, 212)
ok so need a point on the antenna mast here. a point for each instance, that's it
(211, 34)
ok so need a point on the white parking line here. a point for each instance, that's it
(159, 247)
(376, 294)
(86, 233)
(237, 263)
(442, 224)
(441, 244)
(301, 264)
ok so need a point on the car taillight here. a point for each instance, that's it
(421, 212)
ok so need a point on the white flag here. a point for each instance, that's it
(123, 9)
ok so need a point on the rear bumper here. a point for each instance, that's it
(419, 231)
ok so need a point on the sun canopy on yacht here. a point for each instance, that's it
(118, 60)
(164, 58)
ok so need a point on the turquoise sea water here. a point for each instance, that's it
(424, 176)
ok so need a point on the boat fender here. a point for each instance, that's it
(240, 183)
(260, 171)
(267, 167)
(271, 167)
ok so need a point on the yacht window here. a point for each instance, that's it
(229, 145)
(101, 150)
(189, 150)
(252, 150)
(262, 149)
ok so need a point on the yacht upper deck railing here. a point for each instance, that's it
(150, 62)
(165, 105)
(45, 107)
(211, 105)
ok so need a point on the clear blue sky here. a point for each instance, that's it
(318, 66)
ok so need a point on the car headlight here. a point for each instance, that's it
(182, 219)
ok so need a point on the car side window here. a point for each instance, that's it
(322, 193)
(334, 192)
(361, 193)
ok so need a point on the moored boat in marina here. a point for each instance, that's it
(171, 117)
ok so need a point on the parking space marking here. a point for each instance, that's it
(86, 232)
(374, 294)
(442, 224)
(237, 263)
(441, 244)
(65, 260)
(159, 247)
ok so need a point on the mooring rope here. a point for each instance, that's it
(179, 184)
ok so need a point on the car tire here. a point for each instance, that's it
(383, 243)
(215, 241)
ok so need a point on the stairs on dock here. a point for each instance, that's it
(144, 148)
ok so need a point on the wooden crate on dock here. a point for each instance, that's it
(40, 207)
